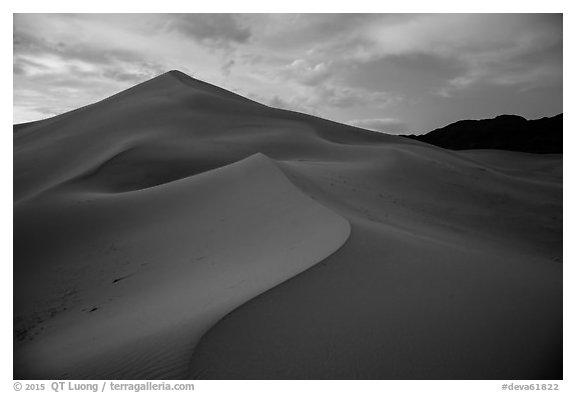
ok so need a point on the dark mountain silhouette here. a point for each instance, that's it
(504, 132)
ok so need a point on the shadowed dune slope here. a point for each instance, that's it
(179, 230)
(167, 128)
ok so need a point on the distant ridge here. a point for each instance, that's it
(168, 83)
(205, 86)
(504, 132)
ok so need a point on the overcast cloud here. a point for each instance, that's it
(391, 73)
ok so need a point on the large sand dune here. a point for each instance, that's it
(125, 284)
(142, 220)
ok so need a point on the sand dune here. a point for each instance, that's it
(159, 260)
(142, 220)
(450, 277)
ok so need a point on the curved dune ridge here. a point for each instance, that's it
(185, 254)
(178, 230)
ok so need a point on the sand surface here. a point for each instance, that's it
(177, 230)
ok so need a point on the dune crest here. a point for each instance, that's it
(187, 253)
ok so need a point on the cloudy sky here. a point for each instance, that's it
(391, 72)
